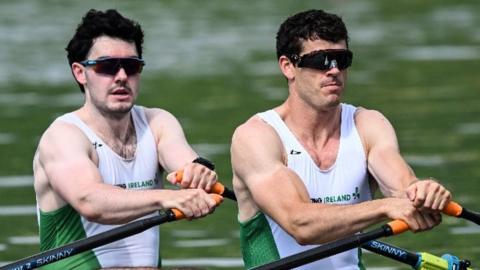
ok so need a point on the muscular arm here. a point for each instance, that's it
(263, 182)
(393, 174)
(383, 155)
(174, 152)
(66, 173)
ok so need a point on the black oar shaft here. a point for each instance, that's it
(302, 258)
(325, 250)
(228, 193)
(100, 239)
(80, 246)
(471, 216)
(392, 252)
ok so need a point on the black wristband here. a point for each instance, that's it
(205, 162)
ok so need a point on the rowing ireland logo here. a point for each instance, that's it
(338, 198)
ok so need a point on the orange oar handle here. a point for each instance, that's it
(217, 188)
(398, 226)
(179, 214)
(453, 209)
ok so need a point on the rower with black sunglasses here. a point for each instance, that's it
(301, 170)
(101, 165)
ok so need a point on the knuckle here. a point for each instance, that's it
(427, 205)
(194, 182)
(200, 168)
(408, 214)
(420, 200)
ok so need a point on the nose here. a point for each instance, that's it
(121, 74)
(121, 77)
(333, 68)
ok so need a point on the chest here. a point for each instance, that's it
(325, 154)
(131, 166)
(335, 173)
(125, 149)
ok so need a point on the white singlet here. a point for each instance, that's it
(140, 172)
(345, 182)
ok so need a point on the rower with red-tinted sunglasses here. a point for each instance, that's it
(102, 165)
(111, 65)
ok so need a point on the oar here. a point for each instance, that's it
(217, 188)
(456, 210)
(418, 261)
(332, 248)
(100, 239)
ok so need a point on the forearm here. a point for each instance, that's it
(393, 179)
(321, 223)
(118, 206)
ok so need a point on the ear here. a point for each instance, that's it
(287, 67)
(79, 73)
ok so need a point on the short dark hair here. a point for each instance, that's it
(309, 25)
(98, 23)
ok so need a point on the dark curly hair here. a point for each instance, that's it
(309, 25)
(98, 23)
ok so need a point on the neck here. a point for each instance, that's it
(110, 126)
(308, 123)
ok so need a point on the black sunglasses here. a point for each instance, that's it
(325, 59)
(111, 65)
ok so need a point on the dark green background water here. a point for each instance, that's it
(213, 65)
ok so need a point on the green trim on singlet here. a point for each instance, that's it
(257, 242)
(60, 227)
(361, 266)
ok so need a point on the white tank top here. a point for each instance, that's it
(345, 182)
(140, 172)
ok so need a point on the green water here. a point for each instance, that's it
(212, 64)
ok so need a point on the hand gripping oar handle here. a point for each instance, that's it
(456, 210)
(100, 239)
(397, 227)
(332, 248)
(217, 188)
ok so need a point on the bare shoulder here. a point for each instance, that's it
(364, 115)
(254, 129)
(63, 135)
(370, 120)
(158, 116)
(374, 127)
(255, 144)
(163, 124)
